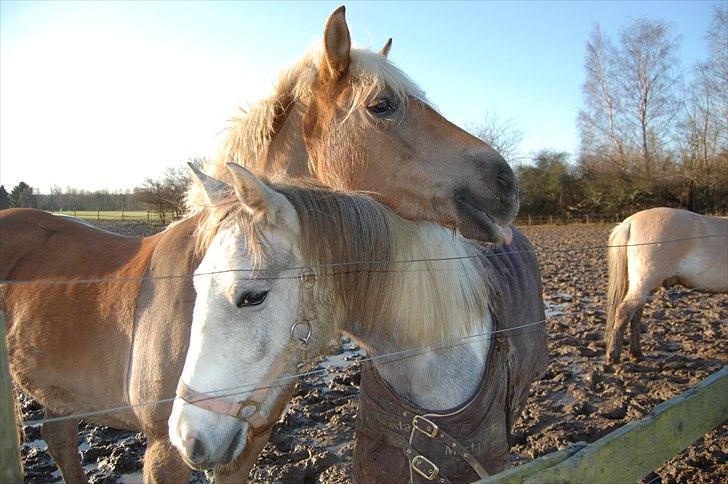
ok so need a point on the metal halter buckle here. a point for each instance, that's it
(308, 277)
(425, 467)
(247, 409)
(305, 338)
(427, 427)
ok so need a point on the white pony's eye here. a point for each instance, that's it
(251, 298)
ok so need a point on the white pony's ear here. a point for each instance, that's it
(337, 44)
(258, 199)
(215, 189)
(387, 46)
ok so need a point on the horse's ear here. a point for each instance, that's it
(215, 190)
(337, 44)
(257, 198)
(387, 46)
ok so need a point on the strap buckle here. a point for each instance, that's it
(427, 427)
(425, 467)
(247, 409)
(308, 277)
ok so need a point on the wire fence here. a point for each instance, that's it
(257, 273)
(582, 218)
(123, 215)
(389, 357)
(385, 358)
(588, 218)
(521, 220)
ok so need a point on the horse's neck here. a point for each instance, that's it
(287, 150)
(437, 378)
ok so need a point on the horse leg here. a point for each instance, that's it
(162, 462)
(635, 347)
(62, 439)
(623, 315)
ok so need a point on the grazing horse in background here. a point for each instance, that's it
(253, 316)
(637, 266)
(347, 117)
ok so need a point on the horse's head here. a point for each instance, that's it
(245, 329)
(352, 119)
(285, 267)
(367, 127)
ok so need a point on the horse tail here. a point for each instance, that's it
(618, 277)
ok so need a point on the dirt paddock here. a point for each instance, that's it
(580, 398)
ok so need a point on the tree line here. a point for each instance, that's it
(650, 134)
(164, 195)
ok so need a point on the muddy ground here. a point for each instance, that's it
(580, 398)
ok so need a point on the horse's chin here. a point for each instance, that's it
(476, 223)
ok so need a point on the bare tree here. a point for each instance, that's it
(600, 120)
(166, 194)
(703, 133)
(154, 194)
(503, 135)
(714, 72)
(648, 80)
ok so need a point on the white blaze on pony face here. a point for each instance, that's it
(240, 324)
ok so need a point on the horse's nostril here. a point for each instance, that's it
(198, 451)
(229, 453)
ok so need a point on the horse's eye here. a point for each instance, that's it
(252, 298)
(380, 106)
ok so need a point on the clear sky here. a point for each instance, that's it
(102, 95)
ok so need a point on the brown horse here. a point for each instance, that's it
(694, 254)
(345, 116)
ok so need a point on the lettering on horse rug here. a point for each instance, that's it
(250, 324)
(637, 266)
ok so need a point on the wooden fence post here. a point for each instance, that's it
(10, 467)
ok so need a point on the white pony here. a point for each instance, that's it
(255, 323)
(693, 252)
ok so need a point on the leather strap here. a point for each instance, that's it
(249, 410)
(457, 449)
(424, 466)
(396, 435)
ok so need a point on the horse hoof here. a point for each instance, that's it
(612, 357)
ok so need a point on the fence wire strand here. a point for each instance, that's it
(281, 381)
(99, 280)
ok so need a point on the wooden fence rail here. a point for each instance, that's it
(633, 451)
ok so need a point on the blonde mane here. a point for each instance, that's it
(380, 273)
(251, 131)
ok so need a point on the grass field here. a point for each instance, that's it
(149, 215)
